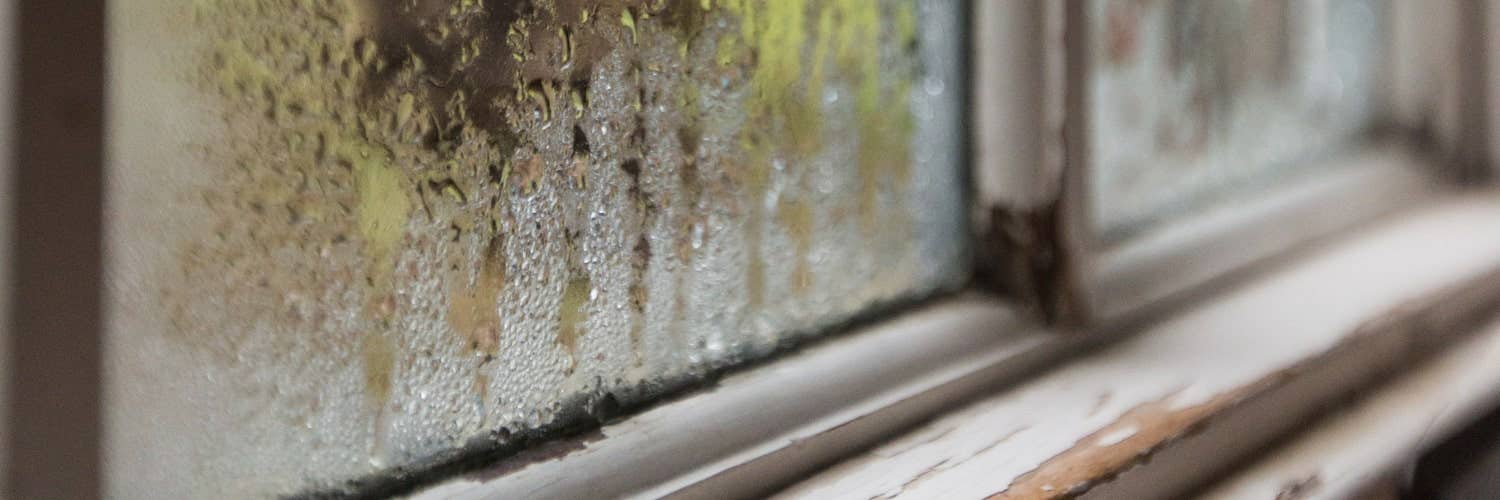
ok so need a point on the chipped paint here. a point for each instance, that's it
(1102, 453)
(1115, 417)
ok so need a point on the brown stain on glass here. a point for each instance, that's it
(473, 309)
(378, 357)
(797, 217)
(573, 313)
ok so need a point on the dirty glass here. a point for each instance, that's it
(349, 237)
(1193, 102)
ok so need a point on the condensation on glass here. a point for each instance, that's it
(1192, 102)
(350, 236)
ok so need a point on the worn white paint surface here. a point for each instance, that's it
(746, 416)
(1225, 344)
(1009, 58)
(1376, 435)
(1195, 249)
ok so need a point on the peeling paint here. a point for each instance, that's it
(1105, 451)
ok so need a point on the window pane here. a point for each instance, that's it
(1195, 101)
(348, 236)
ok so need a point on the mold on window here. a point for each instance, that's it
(350, 238)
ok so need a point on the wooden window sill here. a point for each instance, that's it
(1383, 432)
(1172, 406)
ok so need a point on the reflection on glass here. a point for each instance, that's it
(348, 236)
(1193, 101)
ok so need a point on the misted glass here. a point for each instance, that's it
(349, 236)
(1196, 102)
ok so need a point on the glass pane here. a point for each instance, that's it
(347, 236)
(1198, 101)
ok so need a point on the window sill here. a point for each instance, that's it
(1383, 432)
(1160, 412)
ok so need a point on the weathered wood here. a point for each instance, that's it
(1280, 346)
(1382, 432)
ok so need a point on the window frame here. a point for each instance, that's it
(1073, 278)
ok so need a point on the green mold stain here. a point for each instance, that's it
(796, 47)
(382, 210)
(366, 123)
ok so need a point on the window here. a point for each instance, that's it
(360, 236)
(1180, 138)
(1193, 103)
(357, 247)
